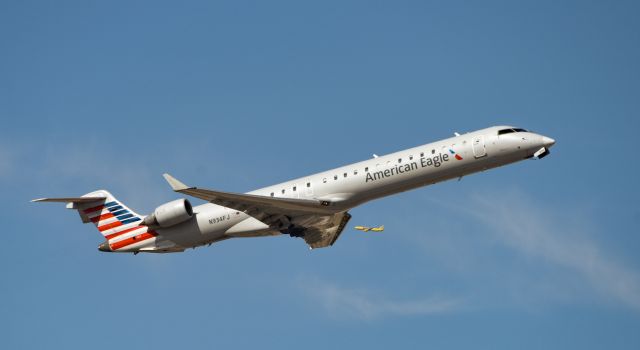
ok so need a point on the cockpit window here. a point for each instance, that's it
(508, 131)
(505, 131)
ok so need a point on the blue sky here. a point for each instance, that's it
(240, 95)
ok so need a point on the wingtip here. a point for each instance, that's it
(175, 184)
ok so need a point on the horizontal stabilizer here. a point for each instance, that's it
(70, 199)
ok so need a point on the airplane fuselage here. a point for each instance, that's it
(354, 184)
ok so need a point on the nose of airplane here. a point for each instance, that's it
(548, 142)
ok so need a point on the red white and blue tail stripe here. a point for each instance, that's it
(111, 217)
(121, 226)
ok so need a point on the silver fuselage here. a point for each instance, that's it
(354, 184)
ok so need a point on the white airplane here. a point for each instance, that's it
(313, 207)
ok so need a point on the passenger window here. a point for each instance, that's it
(366, 169)
(335, 177)
(355, 172)
(433, 151)
(271, 194)
(399, 160)
(283, 191)
(308, 184)
(421, 154)
(294, 188)
(345, 174)
(410, 157)
(324, 180)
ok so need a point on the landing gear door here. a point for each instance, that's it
(479, 149)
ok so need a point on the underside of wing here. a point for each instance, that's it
(313, 220)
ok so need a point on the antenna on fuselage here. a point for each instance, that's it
(375, 155)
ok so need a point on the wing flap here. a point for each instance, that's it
(326, 235)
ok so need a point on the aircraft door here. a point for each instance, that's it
(479, 149)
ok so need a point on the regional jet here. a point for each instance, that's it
(314, 208)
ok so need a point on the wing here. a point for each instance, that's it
(313, 220)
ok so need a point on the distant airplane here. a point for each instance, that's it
(367, 229)
(314, 208)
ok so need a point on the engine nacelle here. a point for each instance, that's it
(170, 214)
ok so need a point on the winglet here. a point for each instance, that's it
(174, 183)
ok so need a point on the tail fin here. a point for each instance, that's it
(110, 216)
(122, 228)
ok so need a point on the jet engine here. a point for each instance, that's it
(170, 214)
